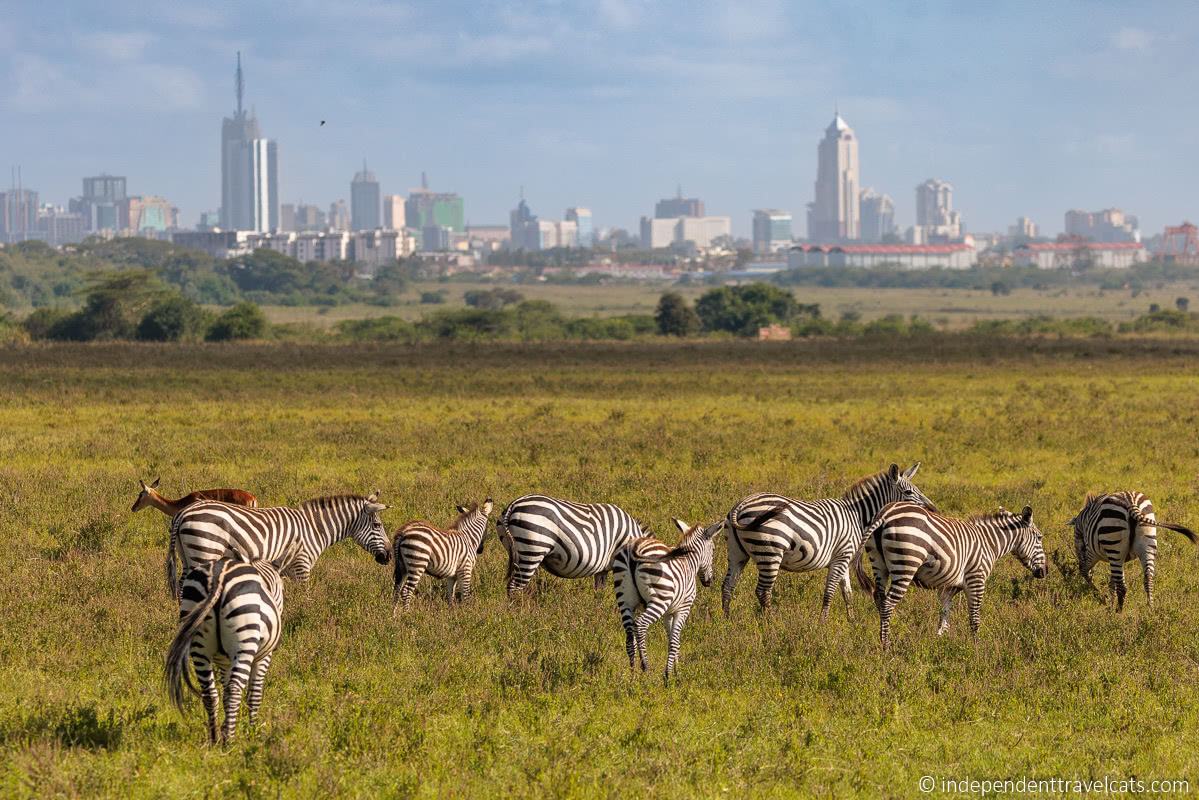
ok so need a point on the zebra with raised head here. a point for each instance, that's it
(207, 530)
(448, 553)
(1119, 527)
(570, 540)
(230, 613)
(908, 542)
(665, 585)
(779, 533)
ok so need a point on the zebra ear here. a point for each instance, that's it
(1026, 514)
(488, 504)
(894, 472)
(374, 507)
(682, 526)
(461, 509)
(1073, 521)
(911, 470)
(713, 529)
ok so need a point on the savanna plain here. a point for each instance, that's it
(535, 697)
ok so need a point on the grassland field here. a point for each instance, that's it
(535, 698)
(952, 309)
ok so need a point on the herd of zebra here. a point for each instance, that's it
(234, 555)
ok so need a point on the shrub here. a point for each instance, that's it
(379, 329)
(744, 309)
(432, 298)
(675, 316)
(172, 320)
(243, 321)
(43, 321)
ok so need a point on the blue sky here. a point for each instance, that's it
(1027, 108)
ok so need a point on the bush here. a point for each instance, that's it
(432, 298)
(744, 309)
(172, 320)
(491, 299)
(675, 316)
(43, 321)
(379, 329)
(243, 321)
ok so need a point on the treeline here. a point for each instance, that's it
(35, 274)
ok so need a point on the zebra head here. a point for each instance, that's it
(905, 490)
(472, 520)
(367, 529)
(143, 499)
(1030, 547)
(698, 540)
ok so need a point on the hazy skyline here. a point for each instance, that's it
(1026, 110)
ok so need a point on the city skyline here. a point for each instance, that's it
(1025, 127)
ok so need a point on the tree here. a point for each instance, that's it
(171, 320)
(744, 309)
(999, 288)
(115, 303)
(491, 299)
(675, 316)
(1182, 303)
(243, 321)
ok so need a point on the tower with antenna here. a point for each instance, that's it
(249, 168)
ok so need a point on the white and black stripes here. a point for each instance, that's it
(570, 540)
(908, 542)
(229, 620)
(628, 599)
(207, 530)
(665, 583)
(448, 553)
(1117, 528)
(798, 536)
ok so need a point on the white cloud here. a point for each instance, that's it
(126, 46)
(1132, 39)
(619, 14)
(40, 85)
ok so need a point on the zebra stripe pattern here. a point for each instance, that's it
(448, 553)
(908, 542)
(570, 540)
(1117, 528)
(664, 583)
(208, 530)
(229, 620)
(779, 533)
(628, 599)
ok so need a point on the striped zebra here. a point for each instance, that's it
(800, 536)
(208, 530)
(1119, 527)
(664, 583)
(448, 553)
(908, 542)
(229, 620)
(570, 540)
(628, 600)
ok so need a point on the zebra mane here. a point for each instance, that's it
(688, 544)
(862, 483)
(1002, 515)
(462, 515)
(333, 501)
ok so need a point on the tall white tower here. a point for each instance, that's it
(834, 215)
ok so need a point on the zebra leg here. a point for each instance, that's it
(674, 632)
(768, 572)
(254, 695)
(975, 585)
(878, 566)
(451, 587)
(652, 613)
(838, 576)
(411, 579)
(524, 571)
(737, 559)
(601, 580)
(1117, 584)
(847, 594)
(208, 691)
(466, 578)
(1146, 547)
(946, 596)
(898, 588)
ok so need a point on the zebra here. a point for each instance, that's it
(229, 620)
(1119, 527)
(800, 536)
(628, 600)
(908, 542)
(571, 540)
(448, 553)
(208, 530)
(664, 582)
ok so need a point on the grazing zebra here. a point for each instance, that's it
(149, 497)
(800, 536)
(908, 542)
(628, 599)
(448, 553)
(665, 585)
(1119, 527)
(571, 540)
(229, 620)
(208, 530)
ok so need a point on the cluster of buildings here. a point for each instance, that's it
(681, 223)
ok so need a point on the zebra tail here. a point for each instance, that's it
(171, 569)
(176, 672)
(730, 521)
(864, 579)
(1139, 517)
(400, 567)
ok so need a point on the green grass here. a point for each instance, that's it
(536, 698)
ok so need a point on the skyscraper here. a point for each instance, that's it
(101, 203)
(249, 171)
(834, 214)
(935, 216)
(582, 218)
(425, 208)
(394, 218)
(771, 229)
(364, 201)
(679, 206)
(877, 215)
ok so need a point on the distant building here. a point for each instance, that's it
(425, 208)
(149, 214)
(657, 233)
(100, 204)
(903, 256)
(771, 230)
(217, 243)
(1072, 254)
(209, 220)
(373, 249)
(436, 238)
(364, 201)
(877, 212)
(833, 216)
(394, 218)
(56, 226)
(1024, 228)
(339, 216)
(1108, 225)
(583, 222)
(679, 206)
(301, 217)
(18, 215)
(488, 238)
(936, 221)
(249, 171)
(527, 232)
(683, 232)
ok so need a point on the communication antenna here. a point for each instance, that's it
(239, 84)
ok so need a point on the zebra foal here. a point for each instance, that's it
(229, 621)
(449, 553)
(1117, 528)
(909, 543)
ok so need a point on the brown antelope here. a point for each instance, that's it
(150, 497)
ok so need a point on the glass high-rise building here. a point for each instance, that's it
(424, 209)
(364, 201)
(586, 228)
(249, 171)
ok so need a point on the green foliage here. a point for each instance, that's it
(378, 329)
(243, 321)
(491, 299)
(173, 319)
(432, 298)
(675, 316)
(744, 309)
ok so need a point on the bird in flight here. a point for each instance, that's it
(322, 123)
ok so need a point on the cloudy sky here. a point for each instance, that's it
(1027, 108)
